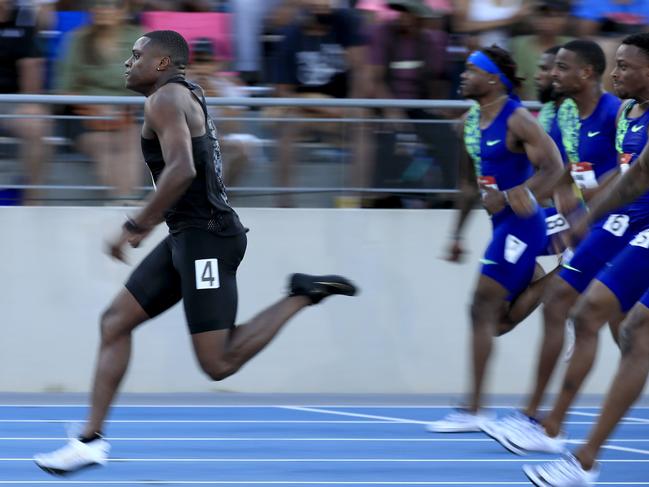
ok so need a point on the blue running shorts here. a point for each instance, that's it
(645, 299)
(510, 257)
(607, 238)
(627, 275)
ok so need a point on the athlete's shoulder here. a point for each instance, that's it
(523, 124)
(611, 102)
(170, 94)
(166, 103)
(519, 112)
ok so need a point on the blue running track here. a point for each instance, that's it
(304, 444)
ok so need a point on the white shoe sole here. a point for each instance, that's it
(62, 473)
(530, 473)
(504, 442)
(441, 429)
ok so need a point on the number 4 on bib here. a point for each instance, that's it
(207, 274)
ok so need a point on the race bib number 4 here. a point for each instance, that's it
(583, 175)
(207, 274)
(617, 224)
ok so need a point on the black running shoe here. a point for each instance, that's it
(316, 288)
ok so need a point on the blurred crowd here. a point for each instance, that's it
(386, 49)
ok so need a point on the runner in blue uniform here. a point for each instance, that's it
(587, 122)
(549, 97)
(505, 144)
(616, 288)
(556, 223)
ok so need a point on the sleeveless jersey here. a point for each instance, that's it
(590, 143)
(549, 120)
(495, 165)
(632, 137)
(204, 204)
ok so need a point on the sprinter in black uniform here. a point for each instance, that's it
(196, 262)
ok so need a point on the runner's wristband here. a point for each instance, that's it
(131, 226)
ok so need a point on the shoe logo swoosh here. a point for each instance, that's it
(636, 128)
(491, 143)
(488, 262)
(592, 134)
(570, 268)
(333, 284)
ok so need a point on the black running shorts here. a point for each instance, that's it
(198, 267)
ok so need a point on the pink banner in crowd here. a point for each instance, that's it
(384, 13)
(194, 25)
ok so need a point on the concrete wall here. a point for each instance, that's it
(406, 333)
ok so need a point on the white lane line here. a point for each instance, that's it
(237, 421)
(616, 447)
(198, 421)
(246, 406)
(626, 449)
(404, 420)
(268, 482)
(420, 440)
(634, 423)
(271, 439)
(595, 415)
(354, 415)
(260, 421)
(264, 406)
(339, 460)
(401, 420)
(271, 482)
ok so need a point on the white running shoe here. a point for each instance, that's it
(531, 437)
(566, 472)
(74, 456)
(459, 421)
(500, 429)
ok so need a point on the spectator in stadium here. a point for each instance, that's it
(488, 22)
(175, 5)
(321, 56)
(22, 71)
(44, 10)
(91, 65)
(248, 17)
(548, 25)
(610, 16)
(408, 61)
(608, 22)
(209, 70)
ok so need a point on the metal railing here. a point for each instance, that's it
(458, 105)
(253, 102)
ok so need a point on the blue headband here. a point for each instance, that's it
(482, 61)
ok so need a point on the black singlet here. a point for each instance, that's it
(205, 203)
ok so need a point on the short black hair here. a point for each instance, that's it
(589, 52)
(552, 51)
(174, 45)
(505, 63)
(639, 40)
